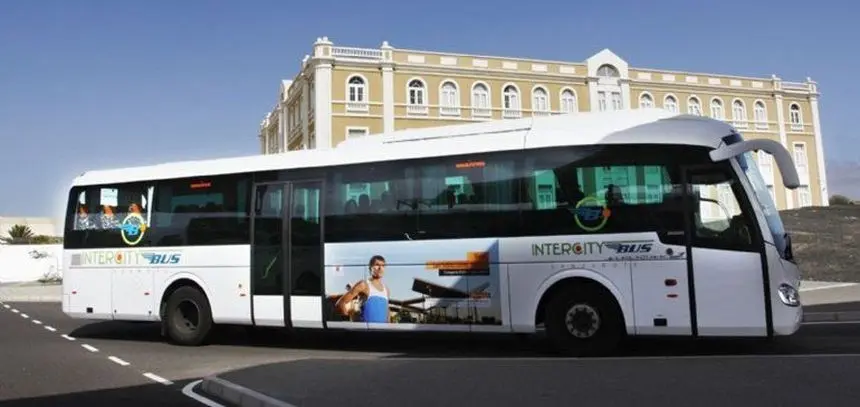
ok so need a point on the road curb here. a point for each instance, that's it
(840, 316)
(238, 395)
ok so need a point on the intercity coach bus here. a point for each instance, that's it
(589, 227)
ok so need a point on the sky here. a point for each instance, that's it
(90, 84)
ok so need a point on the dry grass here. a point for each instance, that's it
(825, 241)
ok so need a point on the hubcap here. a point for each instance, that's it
(187, 315)
(582, 321)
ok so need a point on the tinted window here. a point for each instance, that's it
(306, 255)
(371, 202)
(267, 264)
(108, 216)
(468, 196)
(202, 211)
(601, 189)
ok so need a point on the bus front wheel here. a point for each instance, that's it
(584, 321)
(188, 316)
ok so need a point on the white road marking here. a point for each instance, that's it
(188, 391)
(118, 361)
(157, 378)
(151, 376)
(827, 287)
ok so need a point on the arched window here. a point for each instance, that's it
(356, 94)
(511, 102)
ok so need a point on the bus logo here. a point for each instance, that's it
(590, 215)
(132, 229)
(159, 258)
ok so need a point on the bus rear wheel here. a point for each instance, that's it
(188, 317)
(583, 321)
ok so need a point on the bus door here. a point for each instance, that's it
(286, 254)
(726, 254)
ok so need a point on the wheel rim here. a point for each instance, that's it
(187, 316)
(582, 321)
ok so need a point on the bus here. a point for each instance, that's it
(587, 228)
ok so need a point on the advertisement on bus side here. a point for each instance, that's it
(415, 282)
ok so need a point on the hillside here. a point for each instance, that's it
(825, 241)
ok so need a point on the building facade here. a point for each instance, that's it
(343, 92)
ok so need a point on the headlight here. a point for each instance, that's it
(789, 295)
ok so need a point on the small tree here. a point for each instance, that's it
(841, 200)
(19, 234)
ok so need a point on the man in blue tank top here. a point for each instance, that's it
(373, 291)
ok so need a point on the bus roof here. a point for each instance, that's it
(626, 126)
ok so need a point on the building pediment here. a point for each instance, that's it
(607, 57)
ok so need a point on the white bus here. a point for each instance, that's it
(590, 227)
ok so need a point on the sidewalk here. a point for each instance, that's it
(31, 292)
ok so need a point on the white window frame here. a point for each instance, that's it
(694, 106)
(795, 116)
(646, 101)
(482, 102)
(416, 97)
(670, 103)
(739, 113)
(540, 101)
(449, 98)
(601, 101)
(801, 157)
(717, 109)
(568, 101)
(356, 94)
(617, 101)
(511, 102)
(760, 114)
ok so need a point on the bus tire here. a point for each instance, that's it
(188, 317)
(584, 321)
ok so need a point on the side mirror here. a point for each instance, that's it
(783, 159)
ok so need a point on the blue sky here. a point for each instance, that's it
(91, 84)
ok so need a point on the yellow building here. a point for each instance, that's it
(342, 92)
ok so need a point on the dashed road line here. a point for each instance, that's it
(157, 378)
(118, 361)
(151, 376)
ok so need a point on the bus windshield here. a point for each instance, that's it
(765, 202)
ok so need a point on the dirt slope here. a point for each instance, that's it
(826, 241)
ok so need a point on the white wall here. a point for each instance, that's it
(18, 265)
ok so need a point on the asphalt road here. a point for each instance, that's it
(41, 367)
